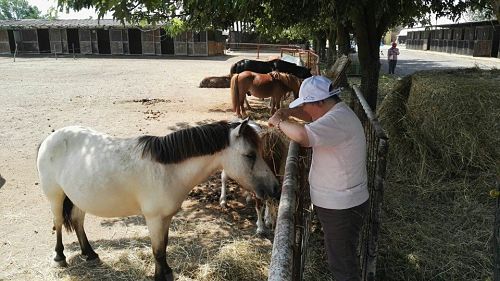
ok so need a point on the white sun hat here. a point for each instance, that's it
(315, 88)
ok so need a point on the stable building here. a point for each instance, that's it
(478, 39)
(102, 37)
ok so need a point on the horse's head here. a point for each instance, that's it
(243, 162)
(304, 73)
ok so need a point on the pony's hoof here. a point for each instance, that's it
(261, 232)
(223, 204)
(92, 257)
(170, 276)
(60, 263)
(269, 223)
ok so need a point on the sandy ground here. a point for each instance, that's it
(38, 95)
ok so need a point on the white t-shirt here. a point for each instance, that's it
(338, 177)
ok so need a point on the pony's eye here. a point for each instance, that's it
(251, 156)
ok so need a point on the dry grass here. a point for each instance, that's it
(443, 160)
(217, 247)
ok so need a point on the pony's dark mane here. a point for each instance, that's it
(191, 142)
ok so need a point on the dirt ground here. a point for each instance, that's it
(124, 97)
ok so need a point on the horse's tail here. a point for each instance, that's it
(235, 95)
(67, 217)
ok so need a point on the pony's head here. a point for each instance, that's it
(243, 162)
(304, 72)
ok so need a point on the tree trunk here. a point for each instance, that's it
(344, 41)
(332, 47)
(368, 35)
(496, 8)
(321, 45)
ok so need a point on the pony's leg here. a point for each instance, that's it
(243, 98)
(223, 179)
(56, 205)
(248, 197)
(78, 218)
(273, 105)
(158, 231)
(261, 229)
(248, 104)
(269, 214)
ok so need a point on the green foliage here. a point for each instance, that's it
(18, 9)
(175, 27)
(52, 14)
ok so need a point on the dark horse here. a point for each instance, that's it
(264, 67)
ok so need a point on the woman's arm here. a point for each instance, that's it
(294, 131)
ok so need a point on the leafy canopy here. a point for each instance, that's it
(18, 9)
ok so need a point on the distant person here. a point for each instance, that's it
(392, 57)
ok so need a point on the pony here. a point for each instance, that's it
(83, 171)
(264, 67)
(215, 82)
(274, 85)
(274, 149)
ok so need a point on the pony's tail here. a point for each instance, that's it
(235, 95)
(232, 70)
(67, 218)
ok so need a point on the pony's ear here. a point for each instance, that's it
(242, 127)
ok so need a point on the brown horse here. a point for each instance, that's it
(273, 84)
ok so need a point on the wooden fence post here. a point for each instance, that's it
(496, 233)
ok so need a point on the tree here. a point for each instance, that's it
(18, 9)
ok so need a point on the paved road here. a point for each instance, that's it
(410, 61)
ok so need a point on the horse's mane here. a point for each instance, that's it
(287, 79)
(191, 142)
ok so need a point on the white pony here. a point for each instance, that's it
(84, 171)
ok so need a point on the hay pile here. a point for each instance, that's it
(444, 136)
(239, 260)
(448, 120)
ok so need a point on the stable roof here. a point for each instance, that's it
(77, 23)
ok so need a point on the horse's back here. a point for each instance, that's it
(291, 68)
(251, 65)
(99, 173)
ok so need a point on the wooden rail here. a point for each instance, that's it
(281, 268)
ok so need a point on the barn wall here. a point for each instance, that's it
(157, 42)
(29, 43)
(148, 42)
(126, 48)
(56, 40)
(116, 41)
(85, 41)
(4, 42)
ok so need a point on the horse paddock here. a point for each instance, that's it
(123, 97)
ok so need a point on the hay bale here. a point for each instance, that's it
(239, 260)
(216, 82)
(443, 128)
(447, 121)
